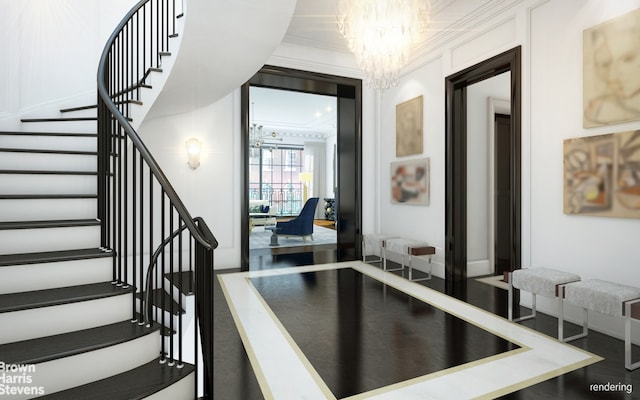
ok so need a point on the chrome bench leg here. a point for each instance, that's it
(628, 364)
(510, 294)
(585, 321)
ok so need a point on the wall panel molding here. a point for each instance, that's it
(495, 39)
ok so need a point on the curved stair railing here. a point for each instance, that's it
(137, 205)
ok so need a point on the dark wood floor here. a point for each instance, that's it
(234, 377)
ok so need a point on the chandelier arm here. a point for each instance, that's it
(382, 35)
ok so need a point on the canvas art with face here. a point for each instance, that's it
(611, 53)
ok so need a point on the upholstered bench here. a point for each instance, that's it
(410, 248)
(537, 281)
(373, 244)
(607, 298)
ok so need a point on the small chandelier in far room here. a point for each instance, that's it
(382, 34)
(257, 136)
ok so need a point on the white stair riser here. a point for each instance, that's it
(82, 143)
(188, 328)
(181, 390)
(58, 126)
(24, 278)
(47, 321)
(65, 373)
(49, 239)
(47, 209)
(43, 161)
(47, 184)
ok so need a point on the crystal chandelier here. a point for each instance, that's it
(257, 136)
(381, 34)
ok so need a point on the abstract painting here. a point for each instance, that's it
(602, 175)
(611, 65)
(409, 127)
(410, 182)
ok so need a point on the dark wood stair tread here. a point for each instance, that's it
(63, 223)
(157, 297)
(79, 108)
(134, 384)
(49, 348)
(64, 295)
(46, 196)
(94, 106)
(47, 151)
(74, 119)
(131, 88)
(63, 134)
(52, 256)
(164, 331)
(184, 281)
(44, 172)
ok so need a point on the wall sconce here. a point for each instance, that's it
(194, 148)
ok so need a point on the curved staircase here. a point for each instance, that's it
(81, 250)
(105, 277)
(63, 317)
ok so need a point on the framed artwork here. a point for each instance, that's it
(410, 182)
(409, 127)
(602, 175)
(611, 65)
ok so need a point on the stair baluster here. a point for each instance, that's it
(126, 169)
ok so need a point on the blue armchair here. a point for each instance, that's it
(302, 225)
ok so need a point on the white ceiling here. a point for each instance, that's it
(314, 25)
(293, 114)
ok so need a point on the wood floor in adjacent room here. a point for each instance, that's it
(391, 339)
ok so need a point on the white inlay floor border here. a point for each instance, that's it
(283, 371)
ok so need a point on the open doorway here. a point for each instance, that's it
(292, 143)
(342, 160)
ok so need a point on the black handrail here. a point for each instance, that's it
(103, 94)
(132, 218)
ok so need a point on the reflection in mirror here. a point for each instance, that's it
(488, 163)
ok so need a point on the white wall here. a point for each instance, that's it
(50, 53)
(591, 246)
(594, 247)
(550, 33)
(213, 190)
(417, 222)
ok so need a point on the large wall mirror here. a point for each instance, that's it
(506, 158)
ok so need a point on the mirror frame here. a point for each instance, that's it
(456, 164)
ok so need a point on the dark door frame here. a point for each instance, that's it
(349, 94)
(456, 164)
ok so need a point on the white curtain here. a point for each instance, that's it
(315, 162)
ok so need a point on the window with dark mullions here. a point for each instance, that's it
(274, 176)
